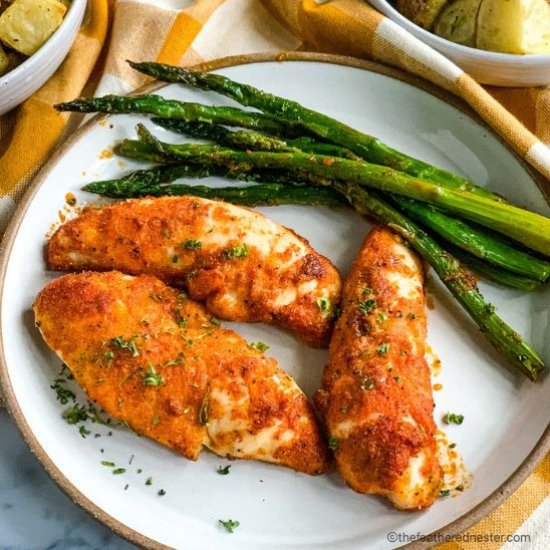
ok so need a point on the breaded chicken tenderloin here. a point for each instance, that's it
(376, 395)
(153, 358)
(242, 265)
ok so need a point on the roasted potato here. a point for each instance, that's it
(422, 12)
(27, 24)
(457, 22)
(514, 26)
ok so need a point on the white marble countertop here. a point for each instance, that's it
(34, 513)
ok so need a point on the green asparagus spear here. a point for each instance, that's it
(327, 128)
(252, 140)
(171, 108)
(221, 135)
(456, 278)
(265, 194)
(530, 229)
(135, 183)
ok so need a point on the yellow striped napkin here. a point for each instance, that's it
(188, 32)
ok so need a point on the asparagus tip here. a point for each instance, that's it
(65, 106)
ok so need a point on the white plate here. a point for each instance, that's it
(505, 415)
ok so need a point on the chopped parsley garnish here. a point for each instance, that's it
(452, 445)
(149, 481)
(76, 414)
(152, 378)
(84, 432)
(382, 349)
(444, 493)
(175, 259)
(229, 525)
(109, 355)
(119, 471)
(411, 316)
(397, 378)
(367, 291)
(191, 244)
(63, 394)
(108, 463)
(161, 493)
(260, 346)
(367, 306)
(122, 343)
(155, 420)
(214, 321)
(333, 443)
(452, 418)
(177, 361)
(367, 384)
(381, 317)
(156, 297)
(459, 488)
(240, 251)
(223, 471)
(325, 305)
(181, 320)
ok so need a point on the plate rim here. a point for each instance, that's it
(7, 395)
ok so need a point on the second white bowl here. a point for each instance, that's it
(24, 80)
(498, 69)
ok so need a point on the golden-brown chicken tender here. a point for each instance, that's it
(376, 396)
(153, 358)
(242, 265)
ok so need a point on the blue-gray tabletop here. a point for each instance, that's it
(34, 513)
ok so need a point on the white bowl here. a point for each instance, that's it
(24, 80)
(499, 69)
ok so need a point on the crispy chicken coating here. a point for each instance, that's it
(376, 395)
(155, 359)
(242, 265)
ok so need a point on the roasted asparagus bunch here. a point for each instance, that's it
(298, 156)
